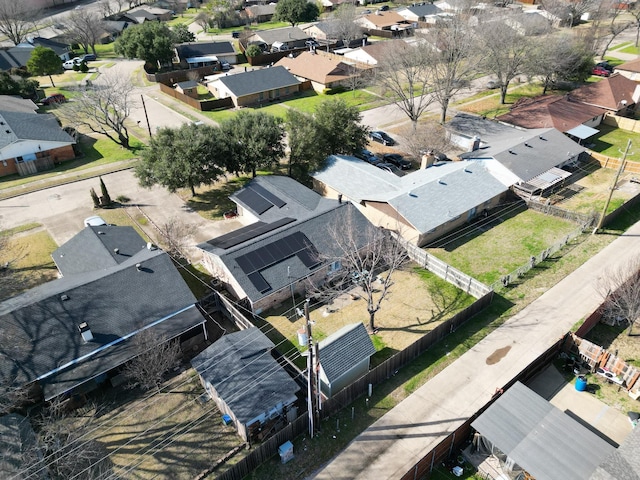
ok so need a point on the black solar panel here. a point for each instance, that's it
(310, 260)
(243, 234)
(254, 201)
(259, 282)
(277, 201)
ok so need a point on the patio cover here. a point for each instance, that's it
(540, 438)
(544, 181)
(582, 132)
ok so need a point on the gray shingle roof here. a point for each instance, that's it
(39, 328)
(279, 35)
(424, 9)
(244, 374)
(623, 463)
(9, 61)
(187, 84)
(425, 198)
(540, 438)
(31, 126)
(344, 349)
(11, 103)
(256, 81)
(201, 49)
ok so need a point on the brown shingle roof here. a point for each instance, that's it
(316, 67)
(385, 19)
(632, 66)
(607, 93)
(550, 111)
(378, 50)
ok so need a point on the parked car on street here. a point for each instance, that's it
(397, 160)
(94, 221)
(381, 137)
(88, 57)
(53, 99)
(600, 71)
(367, 155)
(491, 84)
(69, 64)
(606, 65)
(225, 66)
(384, 8)
(388, 167)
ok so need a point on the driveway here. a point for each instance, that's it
(62, 209)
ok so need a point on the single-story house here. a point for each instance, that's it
(323, 71)
(143, 14)
(8, 61)
(540, 439)
(293, 36)
(284, 245)
(260, 13)
(528, 23)
(422, 205)
(388, 20)
(201, 54)
(616, 93)
(69, 335)
(11, 103)
(375, 52)
(559, 111)
(331, 32)
(18, 449)
(528, 160)
(114, 28)
(189, 87)
(22, 51)
(420, 12)
(255, 86)
(454, 6)
(344, 357)
(247, 383)
(630, 69)
(31, 142)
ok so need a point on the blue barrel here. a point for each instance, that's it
(581, 383)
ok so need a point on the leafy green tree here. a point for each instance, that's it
(253, 51)
(256, 139)
(182, 34)
(296, 11)
(24, 87)
(303, 154)
(150, 41)
(106, 198)
(44, 61)
(338, 128)
(185, 157)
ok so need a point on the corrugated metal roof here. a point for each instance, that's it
(540, 438)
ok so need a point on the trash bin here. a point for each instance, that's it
(286, 451)
(581, 383)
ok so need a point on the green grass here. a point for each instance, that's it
(498, 251)
(19, 229)
(629, 49)
(611, 141)
(106, 50)
(181, 20)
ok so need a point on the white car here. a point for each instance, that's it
(69, 64)
(95, 221)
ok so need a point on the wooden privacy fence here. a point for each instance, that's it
(202, 105)
(614, 163)
(445, 271)
(575, 217)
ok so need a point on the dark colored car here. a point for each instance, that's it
(601, 72)
(225, 66)
(381, 137)
(89, 57)
(311, 43)
(606, 66)
(53, 99)
(235, 34)
(367, 156)
(384, 8)
(388, 167)
(397, 160)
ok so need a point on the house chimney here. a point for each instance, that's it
(85, 331)
(428, 159)
(339, 198)
(475, 145)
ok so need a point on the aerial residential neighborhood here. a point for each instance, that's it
(320, 240)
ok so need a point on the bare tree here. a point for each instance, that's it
(503, 52)
(620, 289)
(452, 60)
(343, 26)
(12, 394)
(17, 19)
(568, 10)
(66, 446)
(614, 25)
(103, 108)
(155, 357)
(176, 234)
(84, 28)
(404, 71)
(367, 257)
(203, 20)
(428, 135)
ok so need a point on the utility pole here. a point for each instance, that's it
(310, 372)
(613, 187)
(144, 107)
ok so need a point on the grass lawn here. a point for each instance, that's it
(181, 20)
(106, 50)
(212, 201)
(31, 246)
(488, 254)
(97, 151)
(489, 104)
(170, 435)
(612, 141)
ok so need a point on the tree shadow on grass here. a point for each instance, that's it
(216, 200)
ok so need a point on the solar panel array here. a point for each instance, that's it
(259, 199)
(275, 252)
(243, 234)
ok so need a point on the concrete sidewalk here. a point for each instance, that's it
(395, 443)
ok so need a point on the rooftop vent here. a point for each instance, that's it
(85, 331)
(467, 170)
(527, 145)
(100, 232)
(138, 266)
(542, 138)
(441, 182)
(512, 152)
(64, 298)
(151, 246)
(116, 251)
